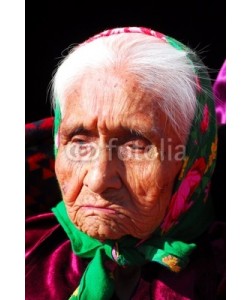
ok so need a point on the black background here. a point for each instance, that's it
(52, 26)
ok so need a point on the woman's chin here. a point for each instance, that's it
(102, 231)
(102, 234)
(111, 227)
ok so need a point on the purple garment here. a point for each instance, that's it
(53, 271)
(219, 90)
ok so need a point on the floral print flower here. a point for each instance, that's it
(205, 119)
(172, 263)
(213, 154)
(185, 161)
(180, 201)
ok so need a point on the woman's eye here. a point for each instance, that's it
(135, 149)
(81, 142)
(80, 149)
(138, 145)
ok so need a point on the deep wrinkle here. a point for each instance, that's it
(136, 188)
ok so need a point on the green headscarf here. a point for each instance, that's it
(190, 211)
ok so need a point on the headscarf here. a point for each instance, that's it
(190, 211)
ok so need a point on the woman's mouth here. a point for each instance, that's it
(90, 208)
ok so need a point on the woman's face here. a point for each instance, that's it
(118, 158)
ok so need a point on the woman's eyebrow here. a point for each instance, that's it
(133, 132)
(143, 132)
(75, 130)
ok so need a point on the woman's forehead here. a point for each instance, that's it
(114, 104)
(106, 95)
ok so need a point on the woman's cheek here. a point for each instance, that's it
(65, 170)
(61, 169)
(142, 178)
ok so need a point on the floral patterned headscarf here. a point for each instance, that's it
(190, 211)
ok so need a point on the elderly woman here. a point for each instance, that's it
(135, 146)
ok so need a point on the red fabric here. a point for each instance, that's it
(41, 190)
(53, 271)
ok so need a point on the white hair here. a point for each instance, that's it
(157, 66)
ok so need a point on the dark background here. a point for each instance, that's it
(52, 26)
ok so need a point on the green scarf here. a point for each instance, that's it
(97, 282)
(190, 211)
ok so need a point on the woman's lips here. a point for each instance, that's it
(98, 209)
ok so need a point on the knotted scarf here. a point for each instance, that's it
(190, 211)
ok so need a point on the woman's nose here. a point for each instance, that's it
(102, 173)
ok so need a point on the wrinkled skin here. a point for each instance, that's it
(113, 166)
